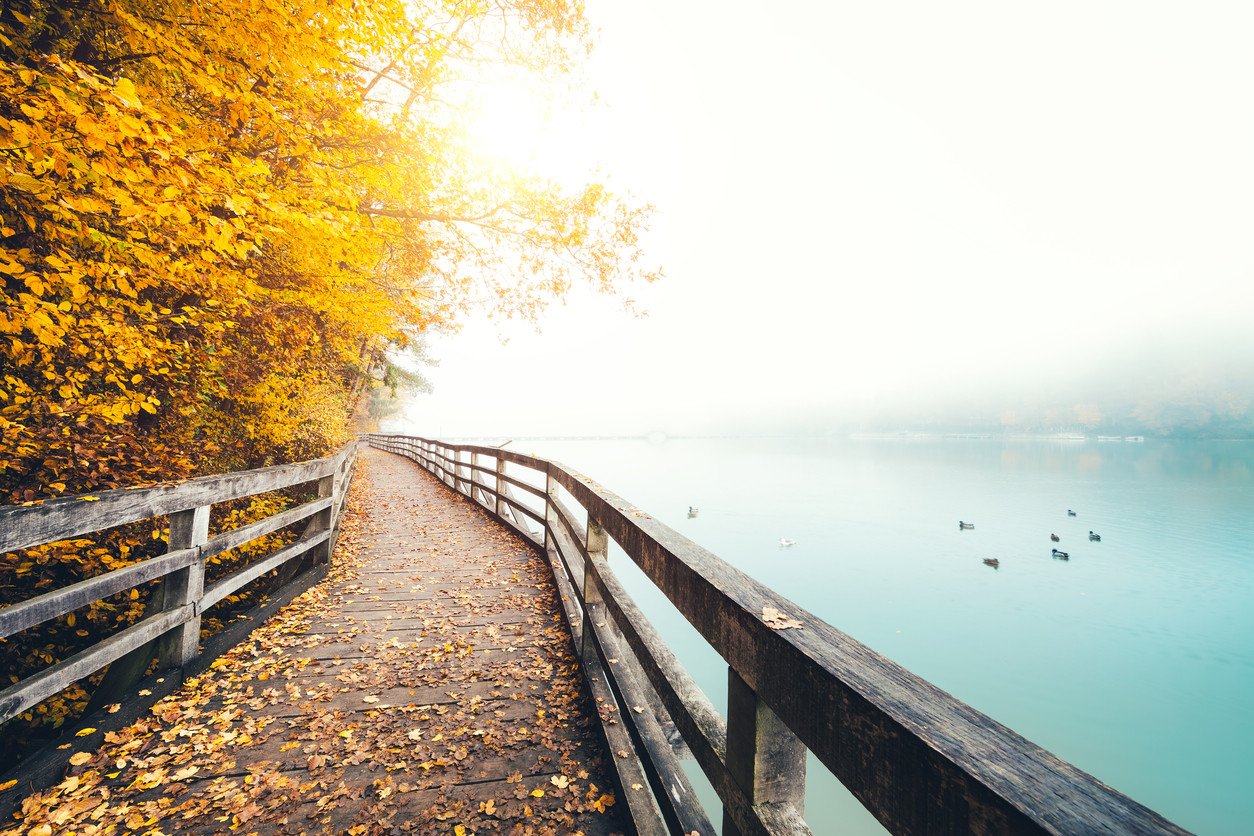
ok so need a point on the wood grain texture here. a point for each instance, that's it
(179, 601)
(72, 516)
(234, 582)
(247, 533)
(188, 530)
(18, 617)
(17, 698)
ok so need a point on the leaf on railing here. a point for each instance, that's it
(777, 620)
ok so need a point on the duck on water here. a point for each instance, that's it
(1060, 555)
(965, 525)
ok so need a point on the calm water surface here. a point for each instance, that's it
(1134, 660)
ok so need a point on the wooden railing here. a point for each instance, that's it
(174, 616)
(917, 758)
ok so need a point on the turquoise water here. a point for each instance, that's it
(1134, 660)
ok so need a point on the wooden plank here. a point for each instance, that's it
(247, 533)
(765, 760)
(231, 583)
(570, 528)
(574, 553)
(498, 485)
(517, 524)
(31, 691)
(510, 502)
(18, 617)
(700, 724)
(323, 521)
(699, 721)
(671, 789)
(188, 530)
(342, 502)
(72, 516)
(517, 483)
(568, 553)
(629, 770)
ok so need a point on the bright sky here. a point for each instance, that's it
(858, 200)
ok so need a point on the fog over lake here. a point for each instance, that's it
(867, 211)
(908, 221)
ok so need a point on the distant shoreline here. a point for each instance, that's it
(903, 435)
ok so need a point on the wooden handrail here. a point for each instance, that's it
(176, 625)
(920, 760)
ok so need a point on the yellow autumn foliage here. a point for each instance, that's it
(215, 217)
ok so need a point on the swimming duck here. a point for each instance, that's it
(784, 542)
(692, 512)
(962, 525)
(1055, 538)
(1070, 513)
(992, 561)
(1096, 538)
(1061, 555)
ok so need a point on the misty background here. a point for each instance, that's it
(939, 217)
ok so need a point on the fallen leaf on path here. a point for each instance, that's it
(777, 620)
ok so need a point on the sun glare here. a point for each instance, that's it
(512, 125)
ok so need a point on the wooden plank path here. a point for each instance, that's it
(427, 686)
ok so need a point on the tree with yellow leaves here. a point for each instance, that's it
(214, 217)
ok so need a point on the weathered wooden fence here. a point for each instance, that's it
(175, 624)
(921, 761)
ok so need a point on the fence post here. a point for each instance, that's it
(598, 543)
(764, 758)
(343, 479)
(500, 485)
(323, 520)
(550, 514)
(188, 530)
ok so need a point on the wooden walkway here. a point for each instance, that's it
(427, 686)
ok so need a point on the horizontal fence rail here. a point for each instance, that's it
(919, 760)
(183, 598)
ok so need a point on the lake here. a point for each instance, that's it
(1134, 660)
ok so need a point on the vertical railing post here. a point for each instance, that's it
(188, 530)
(323, 520)
(598, 543)
(550, 512)
(343, 474)
(474, 474)
(500, 485)
(764, 758)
